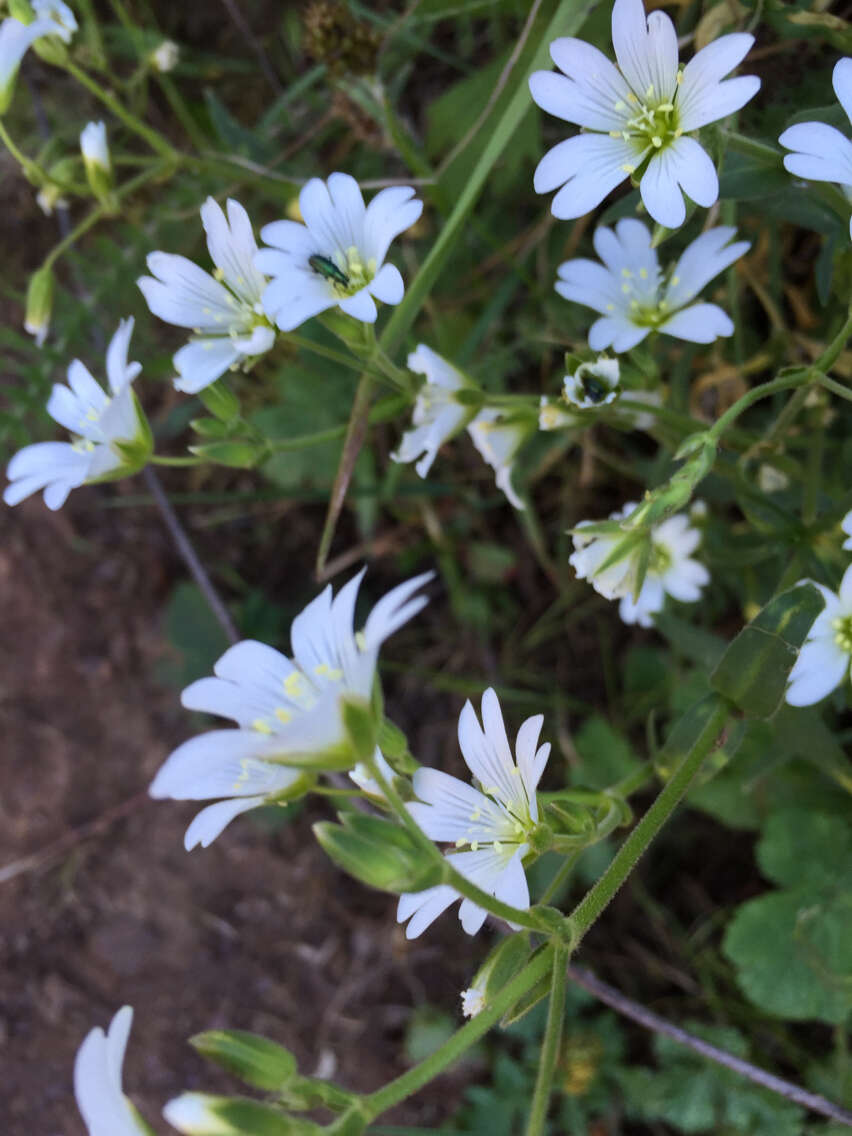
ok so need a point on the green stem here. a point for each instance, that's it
(594, 903)
(836, 388)
(755, 395)
(152, 137)
(832, 353)
(751, 147)
(165, 459)
(31, 170)
(561, 875)
(549, 1046)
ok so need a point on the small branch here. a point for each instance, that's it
(190, 556)
(244, 28)
(647, 1018)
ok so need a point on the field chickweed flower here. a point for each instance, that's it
(52, 18)
(825, 657)
(592, 384)
(820, 152)
(165, 56)
(285, 710)
(112, 436)
(105, 1109)
(224, 310)
(437, 415)
(671, 570)
(337, 257)
(636, 117)
(634, 297)
(489, 825)
(498, 439)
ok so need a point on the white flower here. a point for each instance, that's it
(498, 439)
(640, 419)
(93, 145)
(846, 525)
(592, 384)
(53, 18)
(632, 294)
(821, 152)
(286, 710)
(636, 117)
(492, 822)
(337, 257)
(473, 1001)
(437, 415)
(165, 56)
(105, 1109)
(48, 198)
(364, 779)
(554, 415)
(112, 437)
(825, 656)
(224, 312)
(670, 567)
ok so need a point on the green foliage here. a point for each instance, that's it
(195, 635)
(254, 1059)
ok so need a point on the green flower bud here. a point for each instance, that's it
(252, 1058)
(39, 304)
(96, 159)
(378, 853)
(237, 454)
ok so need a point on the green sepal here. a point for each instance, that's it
(754, 670)
(220, 400)
(332, 758)
(501, 964)
(254, 1059)
(394, 745)
(360, 725)
(39, 302)
(211, 428)
(529, 1000)
(377, 852)
(239, 1116)
(308, 1092)
(236, 454)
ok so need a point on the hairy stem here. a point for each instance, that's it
(549, 1047)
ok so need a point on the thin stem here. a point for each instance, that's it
(562, 874)
(165, 459)
(594, 903)
(835, 388)
(32, 170)
(549, 1046)
(152, 137)
(832, 353)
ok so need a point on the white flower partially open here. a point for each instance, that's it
(636, 118)
(224, 310)
(489, 826)
(337, 257)
(112, 437)
(825, 657)
(498, 437)
(633, 295)
(820, 152)
(286, 710)
(592, 384)
(52, 18)
(437, 414)
(671, 570)
(105, 1109)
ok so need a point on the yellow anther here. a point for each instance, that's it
(678, 132)
(92, 415)
(679, 77)
(675, 281)
(476, 814)
(656, 141)
(629, 169)
(474, 845)
(294, 682)
(626, 273)
(496, 846)
(649, 94)
(643, 273)
(324, 670)
(615, 134)
(610, 307)
(631, 98)
(283, 715)
(261, 726)
(620, 105)
(460, 843)
(625, 289)
(218, 274)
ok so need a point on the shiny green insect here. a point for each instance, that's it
(326, 267)
(593, 390)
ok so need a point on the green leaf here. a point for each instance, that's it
(804, 849)
(237, 454)
(194, 632)
(220, 400)
(793, 954)
(605, 755)
(254, 1059)
(754, 670)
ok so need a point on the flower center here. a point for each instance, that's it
(650, 124)
(842, 627)
(660, 560)
(346, 271)
(301, 695)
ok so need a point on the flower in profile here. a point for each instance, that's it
(337, 258)
(553, 414)
(488, 825)
(437, 414)
(820, 152)
(289, 713)
(96, 159)
(636, 118)
(52, 18)
(165, 56)
(592, 384)
(633, 295)
(105, 1109)
(611, 563)
(826, 654)
(224, 310)
(846, 526)
(498, 437)
(112, 437)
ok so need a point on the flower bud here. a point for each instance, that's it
(248, 1056)
(164, 57)
(96, 159)
(378, 853)
(39, 304)
(201, 1114)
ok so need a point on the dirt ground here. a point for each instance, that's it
(257, 932)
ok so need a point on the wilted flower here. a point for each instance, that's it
(337, 257)
(821, 152)
(52, 18)
(670, 569)
(289, 712)
(825, 656)
(112, 436)
(473, 1001)
(632, 294)
(498, 437)
(636, 117)
(592, 384)
(224, 310)
(105, 1109)
(437, 414)
(489, 826)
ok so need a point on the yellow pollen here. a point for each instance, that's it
(323, 669)
(218, 274)
(294, 682)
(476, 814)
(643, 272)
(261, 726)
(474, 845)
(610, 307)
(631, 98)
(679, 77)
(678, 132)
(626, 273)
(656, 141)
(283, 715)
(92, 415)
(649, 94)
(675, 281)
(460, 843)
(629, 169)
(625, 289)
(620, 105)
(496, 846)
(615, 133)
(360, 640)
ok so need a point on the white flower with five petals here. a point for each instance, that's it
(105, 1109)
(52, 18)
(437, 414)
(112, 437)
(826, 655)
(637, 117)
(337, 258)
(489, 826)
(288, 712)
(224, 310)
(634, 297)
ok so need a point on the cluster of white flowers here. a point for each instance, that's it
(52, 19)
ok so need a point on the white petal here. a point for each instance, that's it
(186, 295)
(97, 1080)
(574, 102)
(387, 285)
(395, 609)
(531, 759)
(589, 283)
(46, 464)
(361, 306)
(841, 80)
(202, 361)
(822, 153)
(704, 258)
(700, 323)
(391, 212)
(291, 299)
(119, 372)
(646, 50)
(683, 164)
(711, 104)
(453, 810)
(588, 167)
(213, 820)
(616, 332)
(649, 602)
(820, 667)
(232, 248)
(845, 589)
(423, 908)
(84, 386)
(221, 763)
(293, 239)
(685, 579)
(512, 886)
(330, 229)
(701, 76)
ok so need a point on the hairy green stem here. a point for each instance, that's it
(549, 1046)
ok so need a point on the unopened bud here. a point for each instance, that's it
(93, 145)
(165, 57)
(39, 304)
